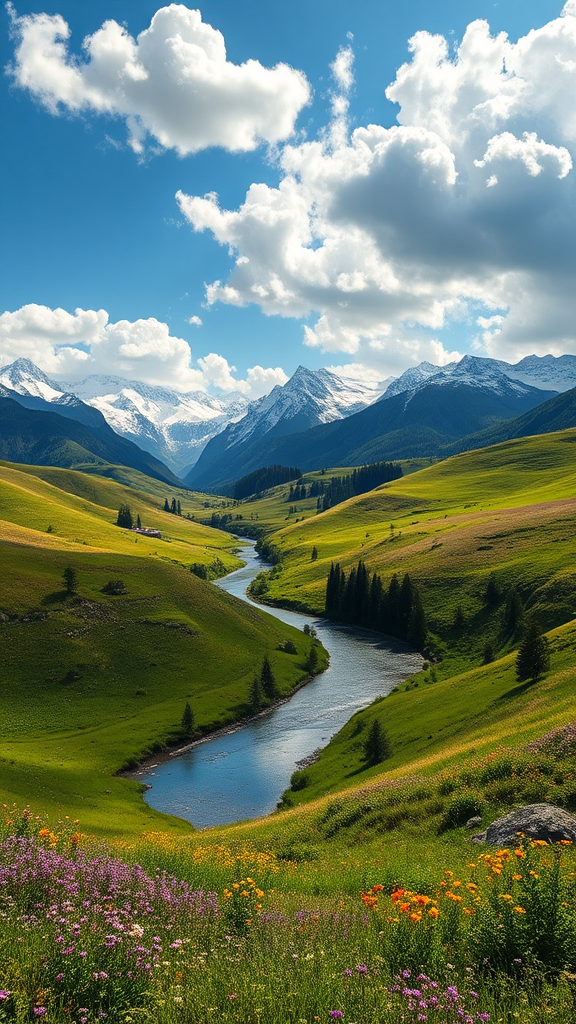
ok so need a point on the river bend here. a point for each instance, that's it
(243, 773)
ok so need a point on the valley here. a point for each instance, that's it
(98, 679)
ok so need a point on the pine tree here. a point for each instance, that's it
(417, 624)
(138, 522)
(173, 507)
(374, 602)
(513, 610)
(124, 518)
(533, 658)
(377, 746)
(178, 508)
(361, 591)
(312, 662)
(166, 505)
(393, 598)
(405, 598)
(488, 653)
(70, 580)
(314, 554)
(267, 679)
(187, 720)
(492, 595)
(332, 590)
(256, 697)
(459, 619)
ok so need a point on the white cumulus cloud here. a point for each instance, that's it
(384, 236)
(173, 82)
(74, 345)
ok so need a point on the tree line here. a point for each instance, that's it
(340, 488)
(263, 479)
(363, 600)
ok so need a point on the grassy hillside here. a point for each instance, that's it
(93, 680)
(507, 510)
(82, 509)
(436, 724)
(336, 907)
(272, 509)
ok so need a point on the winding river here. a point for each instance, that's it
(242, 773)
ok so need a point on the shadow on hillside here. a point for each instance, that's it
(517, 691)
(57, 597)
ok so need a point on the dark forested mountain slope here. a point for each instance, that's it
(558, 413)
(417, 423)
(43, 438)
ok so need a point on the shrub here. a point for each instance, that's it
(115, 587)
(463, 807)
(299, 780)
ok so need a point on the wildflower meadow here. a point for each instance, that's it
(90, 935)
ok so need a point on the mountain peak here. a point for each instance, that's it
(24, 377)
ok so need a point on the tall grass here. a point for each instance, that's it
(88, 936)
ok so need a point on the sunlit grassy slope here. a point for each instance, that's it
(509, 509)
(437, 725)
(90, 682)
(272, 509)
(82, 509)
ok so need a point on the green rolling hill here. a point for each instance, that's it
(92, 681)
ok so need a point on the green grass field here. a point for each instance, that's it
(93, 681)
(508, 510)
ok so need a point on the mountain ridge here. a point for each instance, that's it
(406, 425)
(46, 437)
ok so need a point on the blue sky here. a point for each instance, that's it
(410, 257)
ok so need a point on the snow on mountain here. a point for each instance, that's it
(546, 373)
(551, 373)
(176, 427)
(410, 379)
(309, 398)
(25, 378)
(172, 425)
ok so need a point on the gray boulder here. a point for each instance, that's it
(474, 822)
(537, 821)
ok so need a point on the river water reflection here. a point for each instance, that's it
(244, 773)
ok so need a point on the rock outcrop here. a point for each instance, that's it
(536, 821)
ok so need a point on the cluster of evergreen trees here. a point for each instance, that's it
(125, 518)
(262, 479)
(174, 506)
(264, 688)
(362, 600)
(340, 488)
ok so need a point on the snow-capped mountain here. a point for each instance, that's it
(24, 377)
(310, 397)
(547, 373)
(177, 427)
(551, 373)
(172, 426)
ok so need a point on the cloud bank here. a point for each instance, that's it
(463, 210)
(173, 83)
(74, 345)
